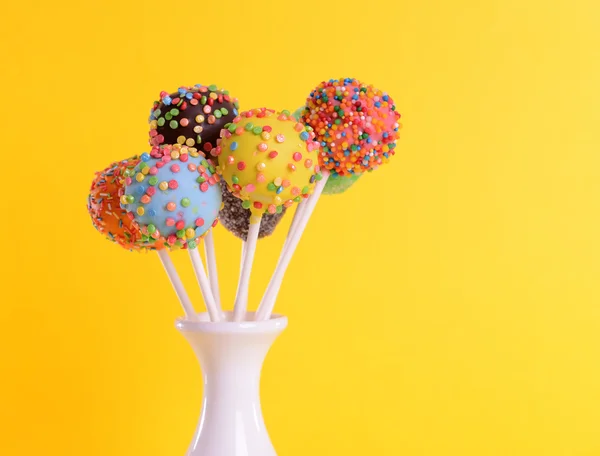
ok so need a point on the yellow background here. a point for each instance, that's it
(447, 305)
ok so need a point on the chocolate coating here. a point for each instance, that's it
(192, 116)
(236, 219)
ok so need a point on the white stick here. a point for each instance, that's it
(242, 257)
(213, 312)
(211, 262)
(241, 297)
(184, 299)
(268, 301)
(295, 221)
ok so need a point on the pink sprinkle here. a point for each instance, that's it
(267, 128)
(151, 191)
(153, 171)
(263, 147)
(204, 186)
(170, 221)
(173, 184)
(298, 127)
(272, 209)
(280, 138)
(297, 156)
(199, 221)
(175, 168)
(183, 157)
(260, 178)
(273, 154)
(184, 122)
(250, 188)
(207, 109)
(241, 166)
(193, 102)
(180, 225)
(191, 167)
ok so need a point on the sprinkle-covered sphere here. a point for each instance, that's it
(356, 125)
(236, 219)
(105, 209)
(339, 184)
(173, 195)
(268, 159)
(192, 116)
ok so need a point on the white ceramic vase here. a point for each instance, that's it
(231, 356)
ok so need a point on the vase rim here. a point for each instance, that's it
(276, 323)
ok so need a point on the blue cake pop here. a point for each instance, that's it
(173, 195)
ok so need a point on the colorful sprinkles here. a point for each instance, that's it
(263, 169)
(192, 116)
(173, 195)
(105, 210)
(355, 124)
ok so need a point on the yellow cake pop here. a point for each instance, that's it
(268, 159)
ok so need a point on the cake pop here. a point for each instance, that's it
(192, 116)
(339, 184)
(268, 160)
(355, 124)
(173, 195)
(236, 219)
(335, 184)
(105, 210)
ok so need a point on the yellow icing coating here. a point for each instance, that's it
(268, 159)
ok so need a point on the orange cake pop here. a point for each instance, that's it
(105, 210)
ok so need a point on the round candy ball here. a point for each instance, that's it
(173, 195)
(192, 116)
(339, 184)
(236, 219)
(268, 159)
(356, 125)
(105, 209)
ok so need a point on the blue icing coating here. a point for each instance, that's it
(191, 200)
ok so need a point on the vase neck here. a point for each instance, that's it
(231, 356)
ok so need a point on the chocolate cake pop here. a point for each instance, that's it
(192, 116)
(236, 219)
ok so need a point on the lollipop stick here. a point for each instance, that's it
(268, 301)
(211, 262)
(184, 299)
(241, 297)
(242, 257)
(207, 295)
(295, 221)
